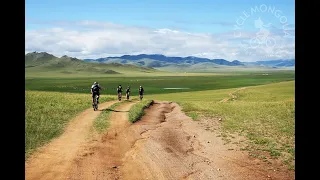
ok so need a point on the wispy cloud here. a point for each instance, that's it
(199, 22)
(93, 39)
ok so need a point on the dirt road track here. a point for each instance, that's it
(104, 155)
(53, 160)
(172, 146)
(232, 96)
(164, 144)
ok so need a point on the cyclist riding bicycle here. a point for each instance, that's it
(141, 91)
(95, 90)
(128, 92)
(119, 90)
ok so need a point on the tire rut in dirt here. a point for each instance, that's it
(170, 145)
(164, 144)
(164, 150)
(104, 157)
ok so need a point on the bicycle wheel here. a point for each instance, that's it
(119, 96)
(95, 104)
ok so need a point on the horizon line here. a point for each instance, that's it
(155, 54)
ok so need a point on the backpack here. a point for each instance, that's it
(95, 88)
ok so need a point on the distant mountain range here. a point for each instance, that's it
(274, 63)
(158, 61)
(42, 62)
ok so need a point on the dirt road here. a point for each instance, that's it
(164, 144)
(53, 160)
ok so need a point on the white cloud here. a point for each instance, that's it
(91, 39)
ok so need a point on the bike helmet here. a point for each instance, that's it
(95, 83)
(140, 86)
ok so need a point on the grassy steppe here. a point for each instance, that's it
(155, 85)
(265, 114)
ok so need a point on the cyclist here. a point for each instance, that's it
(128, 92)
(119, 90)
(95, 90)
(141, 90)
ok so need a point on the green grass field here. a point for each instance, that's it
(47, 113)
(265, 114)
(155, 84)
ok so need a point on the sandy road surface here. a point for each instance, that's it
(103, 156)
(172, 146)
(165, 144)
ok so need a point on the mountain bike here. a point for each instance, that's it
(119, 96)
(95, 103)
(128, 95)
(141, 96)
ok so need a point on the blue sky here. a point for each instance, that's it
(173, 27)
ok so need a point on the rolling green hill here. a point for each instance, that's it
(44, 64)
(47, 65)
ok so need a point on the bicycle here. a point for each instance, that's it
(141, 96)
(95, 103)
(119, 96)
(128, 95)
